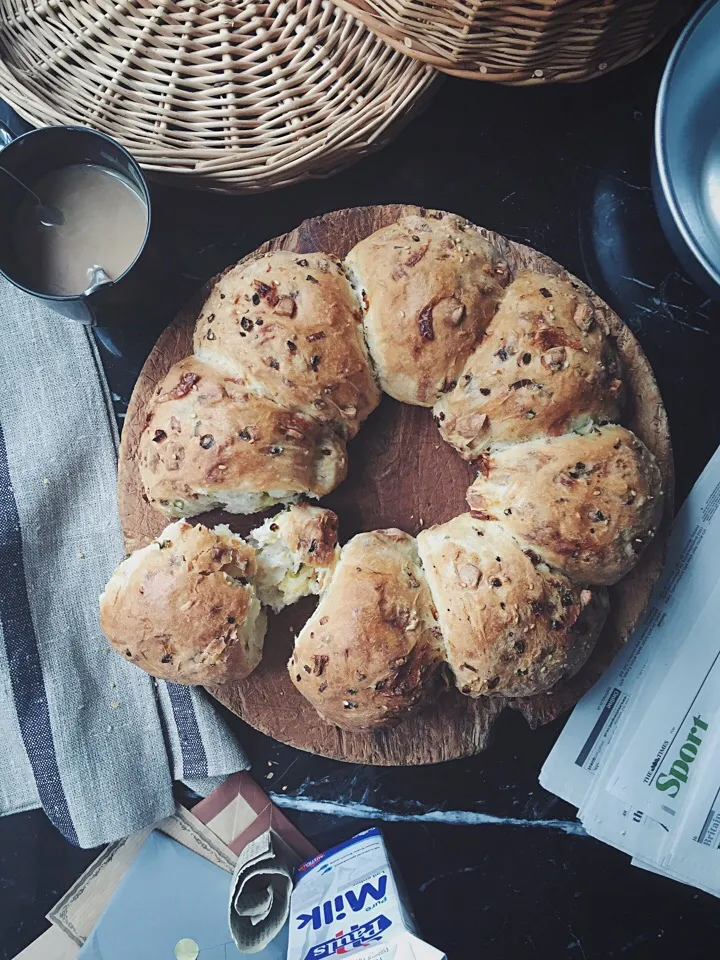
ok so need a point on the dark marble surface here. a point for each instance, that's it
(497, 868)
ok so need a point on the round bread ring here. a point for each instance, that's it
(387, 487)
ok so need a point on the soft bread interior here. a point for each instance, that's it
(281, 578)
(284, 574)
(245, 502)
(364, 336)
(252, 632)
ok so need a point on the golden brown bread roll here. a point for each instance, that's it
(289, 325)
(210, 443)
(183, 608)
(430, 286)
(546, 366)
(587, 505)
(510, 625)
(297, 552)
(370, 652)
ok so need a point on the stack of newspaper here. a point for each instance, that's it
(640, 754)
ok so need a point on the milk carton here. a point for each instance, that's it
(346, 901)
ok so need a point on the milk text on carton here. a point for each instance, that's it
(343, 904)
(680, 770)
(347, 901)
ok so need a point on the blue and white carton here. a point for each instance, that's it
(347, 902)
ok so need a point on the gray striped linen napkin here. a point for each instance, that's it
(89, 737)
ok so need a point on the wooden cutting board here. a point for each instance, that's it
(401, 474)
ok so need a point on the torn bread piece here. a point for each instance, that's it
(297, 551)
(184, 608)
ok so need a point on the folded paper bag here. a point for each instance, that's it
(260, 895)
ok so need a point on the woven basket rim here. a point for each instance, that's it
(238, 98)
(521, 41)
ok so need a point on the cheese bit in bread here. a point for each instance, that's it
(511, 625)
(184, 607)
(297, 551)
(208, 442)
(546, 366)
(289, 327)
(587, 505)
(371, 651)
(430, 286)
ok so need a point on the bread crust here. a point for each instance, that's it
(430, 286)
(511, 626)
(309, 532)
(183, 608)
(588, 505)
(208, 440)
(290, 327)
(546, 366)
(372, 650)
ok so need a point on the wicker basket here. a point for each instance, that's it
(238, 96)
(521, 41)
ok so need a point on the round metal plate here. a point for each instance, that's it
(687, 148)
